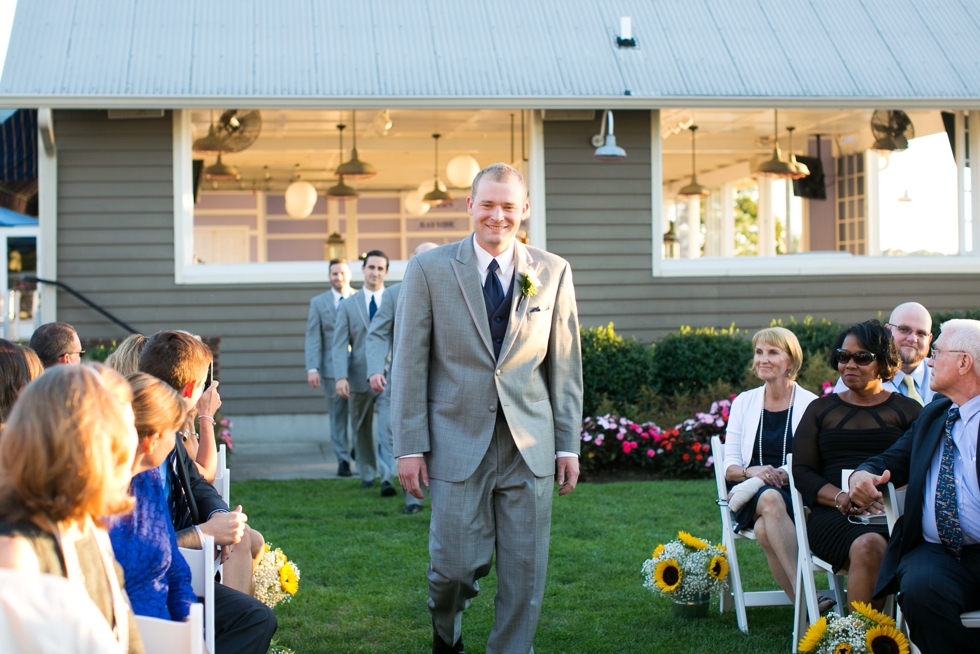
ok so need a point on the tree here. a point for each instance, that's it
(746, 223)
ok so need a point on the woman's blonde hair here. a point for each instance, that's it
(34, 365)
(786, 341)
(158, 407)
(125, 359)
(67, 450)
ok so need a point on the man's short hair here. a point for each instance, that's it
(498, 172)
(175, 357)
(53, 341)
(375, 253)
(334, 262)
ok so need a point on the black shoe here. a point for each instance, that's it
(343, 469)
(412, 509)
(388, 489)
(367, 484)
(439, 646)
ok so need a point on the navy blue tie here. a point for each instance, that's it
(372, 309)
(492, 287)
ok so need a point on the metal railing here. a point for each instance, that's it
(69, 289)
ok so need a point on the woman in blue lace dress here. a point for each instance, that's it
(158, 579)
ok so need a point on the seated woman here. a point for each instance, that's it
(760, 435)
(840, 432)
(158, 579)
(76, 418)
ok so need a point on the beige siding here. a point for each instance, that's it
(599, 218)
(115, 245)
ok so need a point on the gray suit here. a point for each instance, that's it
(488, 426)
(350, 363)
(319, 349)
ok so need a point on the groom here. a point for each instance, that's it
(487, 392)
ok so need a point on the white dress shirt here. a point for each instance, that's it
(373, 294)
(964, 475)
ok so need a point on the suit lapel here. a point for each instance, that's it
(519, 303)
(468, 277)
(361, 309)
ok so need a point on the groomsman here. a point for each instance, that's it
(319, 360)
(379, 342)
(354, 318)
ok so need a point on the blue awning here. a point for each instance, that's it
(10, 218)
(18, 145)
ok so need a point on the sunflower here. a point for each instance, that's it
(667, 575)
(721, 547)
(843, 648)
(692, 541)
(885, 639)
(813, 635)
(874, 616)
(660, 550)
(288, 579)
(718, 568)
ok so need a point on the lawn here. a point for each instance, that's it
(363, 567)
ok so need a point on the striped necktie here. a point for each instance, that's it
(947, 515)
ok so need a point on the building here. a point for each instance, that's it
(125, 90)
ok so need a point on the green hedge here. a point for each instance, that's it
(815, 336)
(939, 317)
(690, 360)
(613, 367)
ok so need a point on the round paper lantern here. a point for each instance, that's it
(300, 199)
(461, 170)
(414, 205)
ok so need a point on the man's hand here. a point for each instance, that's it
(378, 382)
(343, 388)
(210, 401)
(567, 474)
(863, 492)
(226, 528)
(313, 379)
(410, 469)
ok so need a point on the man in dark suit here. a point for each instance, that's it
(933, 556)
(241, 622)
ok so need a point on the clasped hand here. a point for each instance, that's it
(863, 497)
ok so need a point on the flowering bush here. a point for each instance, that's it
(276, 577)
(222, 432)
(686, 568)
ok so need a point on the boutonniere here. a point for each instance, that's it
(529, 284)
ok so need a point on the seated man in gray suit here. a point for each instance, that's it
(379, 342)
(486, 393)
(319, 366)
(354, 318)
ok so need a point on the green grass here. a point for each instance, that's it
(363, 565)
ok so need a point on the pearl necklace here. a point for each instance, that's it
(762, 417)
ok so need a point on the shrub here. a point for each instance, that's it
(815, 336)
(939, 317)
(613, 367)
(690, 360)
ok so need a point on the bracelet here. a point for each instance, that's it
(836, 505)
(207, 418)
(744, 474)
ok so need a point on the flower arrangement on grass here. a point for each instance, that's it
(865, 631)
(686, 569)
(276, 578)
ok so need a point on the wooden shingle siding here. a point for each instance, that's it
(599, 218)
(116, 246)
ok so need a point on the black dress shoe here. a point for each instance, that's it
(412, 509)
(343, 469)
(388, 489)
(439, 646)
(367, 484)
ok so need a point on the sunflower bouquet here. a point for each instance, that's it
(686, 569)
(276, 578)
(865, 631)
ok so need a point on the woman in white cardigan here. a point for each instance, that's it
(760, 435)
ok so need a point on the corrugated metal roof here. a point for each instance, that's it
(535, 53)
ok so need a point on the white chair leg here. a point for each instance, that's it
(738, 594)
(837, 588)
(799, 612)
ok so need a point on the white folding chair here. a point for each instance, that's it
(806, 606)
(222, 479)
(739, 597)
(168, 637)
(201, 563)
(222, 458)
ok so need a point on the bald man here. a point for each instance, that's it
(911, 327)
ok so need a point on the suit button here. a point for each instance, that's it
(493, 409)
(498, 319)
(498, 372)
(499, 340)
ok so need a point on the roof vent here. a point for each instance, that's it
(625, 38)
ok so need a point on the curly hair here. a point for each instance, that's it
(876, 339)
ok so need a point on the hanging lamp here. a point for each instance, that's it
(355, 168)
(693, 189)
(221, 172)
(801, 168)
(341, 191)
(437, 197)
(776, 167)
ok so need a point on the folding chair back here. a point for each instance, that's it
(738, 597)
(168, 637)
(201, 563)
(222, 479)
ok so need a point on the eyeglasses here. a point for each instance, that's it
(935, 352)
(861, 357)
(80, 353)
(907, 331)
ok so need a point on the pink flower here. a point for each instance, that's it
(626, 448)
(651, 453)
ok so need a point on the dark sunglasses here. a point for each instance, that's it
(861, 357)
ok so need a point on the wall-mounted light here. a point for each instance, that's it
(605, 144)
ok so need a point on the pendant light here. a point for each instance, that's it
(221, 172)
(355, 168)
(776, 167)
(437, 197)
(801, 168)
(693, 189)
(341, 191)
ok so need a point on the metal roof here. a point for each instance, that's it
(470, 53)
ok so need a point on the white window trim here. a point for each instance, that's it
(809, 263)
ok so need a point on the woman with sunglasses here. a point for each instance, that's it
(840, 432)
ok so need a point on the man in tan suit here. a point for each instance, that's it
(487, 404)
